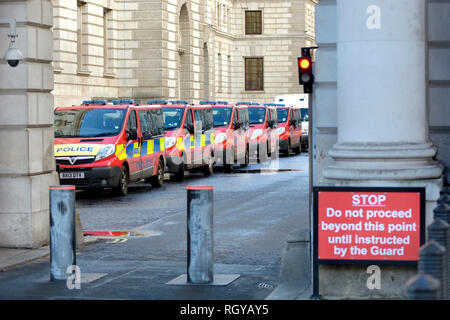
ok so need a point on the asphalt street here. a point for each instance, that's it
(254, 210)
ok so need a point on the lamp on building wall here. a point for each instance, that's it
(12, 55)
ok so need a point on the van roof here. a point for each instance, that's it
(148, 106)
(93, 106)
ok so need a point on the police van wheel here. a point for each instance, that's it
(288, 151)
(228, 168)
(262, 155)
(209, 169)
(179, 175)
(246, 159)
(158, 180)
(122, 188)
(298, 149)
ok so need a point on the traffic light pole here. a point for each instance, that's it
(306, 78)
(311, 155)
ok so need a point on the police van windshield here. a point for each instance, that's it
(282, 115)
(222, 116)
(257, 115)
(172, 118)
(87, 123)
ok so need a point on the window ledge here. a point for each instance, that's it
(109, 75)
(253, 91)
(83, 72)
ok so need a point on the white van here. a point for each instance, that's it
(297, 100)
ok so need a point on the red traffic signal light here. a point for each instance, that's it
(304, 63)
(305, 72)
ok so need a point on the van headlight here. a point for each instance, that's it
(220, 138)
(257, 133)
(281, 130)
(170, 142)
(105, 151)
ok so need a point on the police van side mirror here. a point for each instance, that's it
(131, 134)
(189, 127)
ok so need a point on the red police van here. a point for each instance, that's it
(189, 132)
(102, 145)
(263, 125)
(289, 129)
(232, 126)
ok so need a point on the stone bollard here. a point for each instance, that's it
(200, 206)
(62, 231)
(442, 211)
(431, 261)
(422, 287)
(439, 231)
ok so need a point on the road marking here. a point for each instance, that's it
(117, 241)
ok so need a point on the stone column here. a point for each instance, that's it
(26, 166)
(382, 118)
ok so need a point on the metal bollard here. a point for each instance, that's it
(62, 231)
(422, 287)
(439, 231)
(442, 211)
(200, 208)
(431, 261)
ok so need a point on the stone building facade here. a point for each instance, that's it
(27, 166)
(178, 49)
(141, 49)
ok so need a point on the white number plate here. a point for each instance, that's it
(71, 175)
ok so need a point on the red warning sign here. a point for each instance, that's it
(378, 224)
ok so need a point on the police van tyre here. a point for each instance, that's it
(298, 149)
(262, 154)
(209, 169)
(158, 180)
(122, 188)
(227, 167)
(288, 151)
(179, 175)
(246, 159)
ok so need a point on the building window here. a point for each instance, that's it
(253, 22)
(228, 20)
(217, 14)
(80, 51)
(219, 73)
(254, 74)
(229, 74)
(106, 42)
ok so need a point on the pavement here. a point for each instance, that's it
(143, 266)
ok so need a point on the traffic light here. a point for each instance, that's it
(305, 73)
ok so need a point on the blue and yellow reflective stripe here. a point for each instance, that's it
(133, 150)
(120, 154)
(180, 144)
(192, 142)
